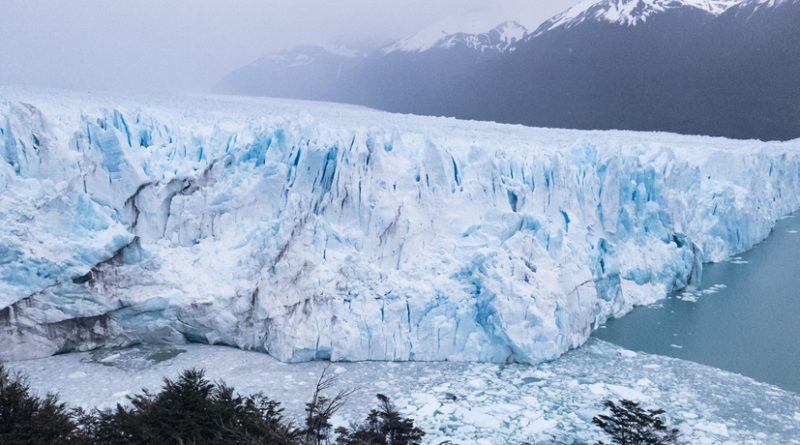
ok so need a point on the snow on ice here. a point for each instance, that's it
(319, 231)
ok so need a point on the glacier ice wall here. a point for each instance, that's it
(318, 231)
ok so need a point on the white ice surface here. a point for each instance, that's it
(315, 231)
(466, 403)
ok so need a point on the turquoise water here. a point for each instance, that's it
(746, 317)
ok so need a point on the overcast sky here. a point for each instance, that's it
(187, 45)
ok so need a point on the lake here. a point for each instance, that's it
(744, 317)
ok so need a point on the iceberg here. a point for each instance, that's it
(318, 231)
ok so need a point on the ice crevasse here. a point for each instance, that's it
(319, 231)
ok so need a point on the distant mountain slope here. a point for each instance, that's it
(498, 38)
(305, 72)
(400, 76)
(405, 80)
(717, 67)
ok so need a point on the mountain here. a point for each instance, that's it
(716, 67)
(398, 77)
(314, 231)
(627, 12)
(305, 72)
(721, 71)
(405, 76)
(496, 39)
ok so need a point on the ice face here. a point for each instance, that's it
(318, 231)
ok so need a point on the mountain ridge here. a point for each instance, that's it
(722, 67)
(627, 12)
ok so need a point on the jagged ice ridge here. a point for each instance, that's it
(319, 231)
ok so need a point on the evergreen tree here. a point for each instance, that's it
(192, 410)
(28, 419)
(629, 424)
(383, 426)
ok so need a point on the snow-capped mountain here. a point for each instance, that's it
(410, 66)
(696, 68)
(745, 9)
(628, 12)
(315, 231)
(497, 39)
(492, 28)
(718, 67)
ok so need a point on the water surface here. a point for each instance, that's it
(744, 317)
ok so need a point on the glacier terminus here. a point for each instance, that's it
(317, 231)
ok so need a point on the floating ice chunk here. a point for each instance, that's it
(624, 392)
(627, 353)
(110, 358)
(718, 429)
(480, 418)
(120, 395)
(597, 388)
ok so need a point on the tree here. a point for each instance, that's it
(320, 409)
(253, 420)
(192, 410)
(383, 426)
(629, 424)
(26, 418)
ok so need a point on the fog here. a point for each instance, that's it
(188, 45)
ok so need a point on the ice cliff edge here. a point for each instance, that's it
(319, 231)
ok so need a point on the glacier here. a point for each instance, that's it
(315, 231)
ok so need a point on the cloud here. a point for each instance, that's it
(188, 45)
